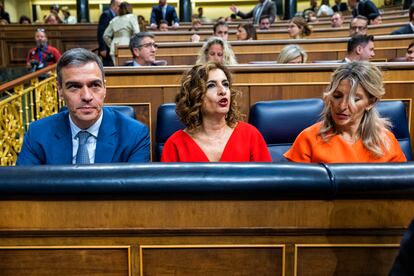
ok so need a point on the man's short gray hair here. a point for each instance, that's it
(77, 57)
(135, 41)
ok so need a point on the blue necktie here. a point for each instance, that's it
(82, 156)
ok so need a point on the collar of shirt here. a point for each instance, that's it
(93, 129)
(112, 12)
(91, 144)
(135, 63)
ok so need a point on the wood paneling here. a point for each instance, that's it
(64, 261)
(189, 236)
(213, 260)
(358, 260)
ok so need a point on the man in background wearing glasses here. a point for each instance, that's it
(358, 26)
(43, 54)
(143, 49)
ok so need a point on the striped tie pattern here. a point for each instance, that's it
(82, 156)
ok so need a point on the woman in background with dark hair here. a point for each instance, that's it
(298, 28)
(25, 20)
(246, 32)
(207, 105)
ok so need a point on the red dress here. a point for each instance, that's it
(245, 144)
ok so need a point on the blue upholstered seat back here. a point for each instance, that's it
(396, 113)
(281, 121)
(167, 123)
(127, 110)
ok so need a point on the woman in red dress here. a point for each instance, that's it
(207, 105)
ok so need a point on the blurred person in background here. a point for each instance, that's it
(218, 50)
(337, 20)
(120, 29)
(246, 32)
(358, 26)
(298, 28)
(43, 54)
(264, 23)
(292, 54)
(104, 20)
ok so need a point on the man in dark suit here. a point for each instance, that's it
(264, 7)
(339, 6)
(409, 28)
(86, 132)
(360, 48)
(3, 14)
(163, 12)
(365, 8)
(404, 265)
(143, 49)
(104, 20)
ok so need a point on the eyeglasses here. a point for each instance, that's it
(148, 45)
(40, 30)
(354, 28)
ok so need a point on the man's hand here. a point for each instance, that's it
(195, 38)
(234, 9)
(103, 53)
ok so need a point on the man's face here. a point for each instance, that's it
(336, 20)
(222, 31)
(83, 90)
(146, 52)
(41, 39)
(163, 27)
(366, 52)
(115, 6)
(358, 26)
(162, 2)
(352, 3)
(264, 24)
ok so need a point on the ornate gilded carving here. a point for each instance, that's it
(21, 105)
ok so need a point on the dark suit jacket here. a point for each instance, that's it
(404, 265)
(120, 139)
(170, 15)
(269, 9)
(342, 7)
(367, 9)
(5, 15)
(104, 20)
(406, 29)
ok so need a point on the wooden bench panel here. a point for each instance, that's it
(70, 260)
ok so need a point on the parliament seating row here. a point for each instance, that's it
(204, 219)
(184, 53)
(280, 122)
(16, 40)
(146, 89)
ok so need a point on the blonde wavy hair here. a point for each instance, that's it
(228, 54)
(193, 89)
(372, 127)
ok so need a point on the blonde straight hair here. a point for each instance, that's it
(372, 128)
